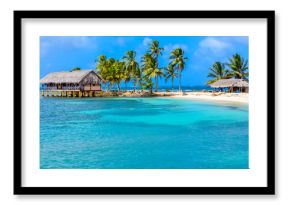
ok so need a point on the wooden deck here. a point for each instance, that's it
(70, 93)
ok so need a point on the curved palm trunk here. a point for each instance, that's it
(172, 87)
(107, 87)
(119, 89)
(156, 77)
(156, 86)
(179, 75)
(134, 87)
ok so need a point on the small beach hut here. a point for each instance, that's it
(79, 80)
(231, 85)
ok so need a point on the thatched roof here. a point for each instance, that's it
(67, 77)
(226, 83)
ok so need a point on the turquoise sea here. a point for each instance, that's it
(142, 133)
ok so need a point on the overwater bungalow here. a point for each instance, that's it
(71, 84)
(231, 85)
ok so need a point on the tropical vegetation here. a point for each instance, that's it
(178, 61)
(217, 72)
(146, 73)
(170, 73)
(237, 67)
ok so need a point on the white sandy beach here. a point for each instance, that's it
(221, 97)
(197, 95)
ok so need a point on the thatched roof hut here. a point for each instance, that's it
(228, 83)
(83, 80)
(70, 77)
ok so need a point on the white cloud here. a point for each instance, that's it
(146, 41)
(219, 46)
(213, 43)
(212, 47)
(47, 42)
(75, 41)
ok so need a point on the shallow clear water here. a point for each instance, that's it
(142, 133)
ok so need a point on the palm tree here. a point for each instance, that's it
(150, 69)
(146, 60)
(151, 57)
(137, 77)
(178, 61)
(101, 65)
(120, 73)
(147, 83)
(154, 72)
(110, 70)
(238, 67)
(130, 60)
(217, 72)
(132, 67)
(102, 68)
(155, 50)
(170, 73)
(116, 73)
(127, 77)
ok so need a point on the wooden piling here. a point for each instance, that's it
(70, 93)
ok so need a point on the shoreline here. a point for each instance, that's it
(217, 97)
(194, 95)
(200, 95)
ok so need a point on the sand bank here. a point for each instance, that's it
(226, 97)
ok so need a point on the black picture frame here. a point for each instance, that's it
(268, 190)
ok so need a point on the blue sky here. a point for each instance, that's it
(62, 53)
